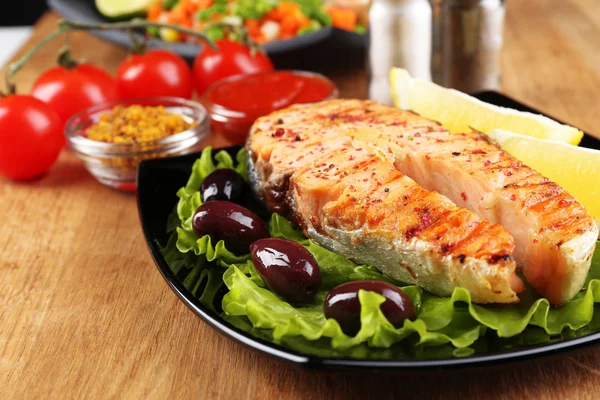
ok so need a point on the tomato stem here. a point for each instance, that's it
(64, 58)
(133, 24)
(67, 26)
(137, 46)
(17, 65)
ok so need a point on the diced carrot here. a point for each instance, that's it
(288, 7)
(154, 11)
(183, 5)
(289, 24)
(216, 17)
(274, 14)
(253, 26)
(186, 23)
(176, 15)
(259, 39)
(303, 21)
(298, 13)
(342, 18)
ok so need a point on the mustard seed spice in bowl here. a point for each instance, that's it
(137, 124)
(114, 137)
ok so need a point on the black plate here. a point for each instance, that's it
(158, 181)
(85, 11)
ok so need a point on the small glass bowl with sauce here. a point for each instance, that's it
(234, 103)
(114, 163)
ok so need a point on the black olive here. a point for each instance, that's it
(287, 268)
(232, 223)
(223, 184)
(342, 304)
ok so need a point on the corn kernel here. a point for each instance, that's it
(169, 35)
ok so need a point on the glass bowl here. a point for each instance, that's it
(115, 164)
(234, 125)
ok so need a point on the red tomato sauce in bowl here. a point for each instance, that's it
(234, 103)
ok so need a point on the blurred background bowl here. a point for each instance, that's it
(326, 48)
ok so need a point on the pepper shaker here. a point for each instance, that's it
(467, 39)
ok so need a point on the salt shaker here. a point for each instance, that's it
(467, 39)
(400, 36)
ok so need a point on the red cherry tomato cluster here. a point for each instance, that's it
(31, 127)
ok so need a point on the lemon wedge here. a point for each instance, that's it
(459, 112)
(574, 168)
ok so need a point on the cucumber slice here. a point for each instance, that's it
(122, 9)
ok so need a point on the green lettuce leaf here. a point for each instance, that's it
(280, 227)
(190, 199)
(267, 311)
(452, 320)
(452, 325)
(174, 258)
(202, 279)
(200, 170)
(189, 241)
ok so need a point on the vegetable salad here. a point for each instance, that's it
(265, 20)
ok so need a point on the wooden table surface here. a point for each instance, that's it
(84, 313)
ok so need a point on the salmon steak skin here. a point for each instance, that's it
(397, 191)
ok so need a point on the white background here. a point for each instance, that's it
(10, 40)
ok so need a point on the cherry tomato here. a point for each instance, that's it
(31, 137)
(155, 73)
(232, 58)
(70, 90)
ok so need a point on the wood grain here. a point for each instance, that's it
(85, 314)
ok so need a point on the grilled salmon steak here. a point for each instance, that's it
(391, 189)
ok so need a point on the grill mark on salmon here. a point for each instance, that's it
(349, 197)
(554, 234)
(335, 209)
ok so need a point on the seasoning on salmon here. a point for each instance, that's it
(367, 210)
(554, 235)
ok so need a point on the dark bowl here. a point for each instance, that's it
(85, 11)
